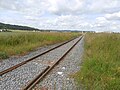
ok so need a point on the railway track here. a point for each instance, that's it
(46, 70)
(28, 60)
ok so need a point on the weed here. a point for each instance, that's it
(3, 55)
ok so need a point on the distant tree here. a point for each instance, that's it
(15, 27)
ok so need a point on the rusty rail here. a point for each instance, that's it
(37, 79)
(24, 62)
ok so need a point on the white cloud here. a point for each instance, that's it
(101, 22)
(104, 6)
(61, 7)
(113, 16)
(62, 14)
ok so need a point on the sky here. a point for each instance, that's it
(86, 15)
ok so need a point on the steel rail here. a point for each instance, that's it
(38, 78)
(28, 60)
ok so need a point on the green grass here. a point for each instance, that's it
(101, 63)
(19, 43)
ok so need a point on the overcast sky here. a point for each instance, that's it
(98, 15)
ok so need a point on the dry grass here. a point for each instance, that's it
(12, 43)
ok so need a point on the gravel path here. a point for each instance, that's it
(17, 78)
(59, 78)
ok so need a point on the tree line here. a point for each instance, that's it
(15, 27)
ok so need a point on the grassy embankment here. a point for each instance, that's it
(19, 43)
(101, 63)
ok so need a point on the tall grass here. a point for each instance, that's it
(12, 43)
(101, 63)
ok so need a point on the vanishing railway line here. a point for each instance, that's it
(26, 61)
(41, 73)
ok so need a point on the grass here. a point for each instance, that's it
(19, 43)
(101, 63)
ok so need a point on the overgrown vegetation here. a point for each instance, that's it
(101, 63)
(12, 43)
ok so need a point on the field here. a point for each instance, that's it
(19, 43)
(101, 63)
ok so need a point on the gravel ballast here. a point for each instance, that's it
(18, 78)
(7, 63)
(59, 77)
(53, 56)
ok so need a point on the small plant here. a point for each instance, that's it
(3, 55)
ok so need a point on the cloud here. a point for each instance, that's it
(103, 24)
(63, 7)
(62, 14)
(113, 16)
(104, 6)
(27, 7)
(61, 22)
